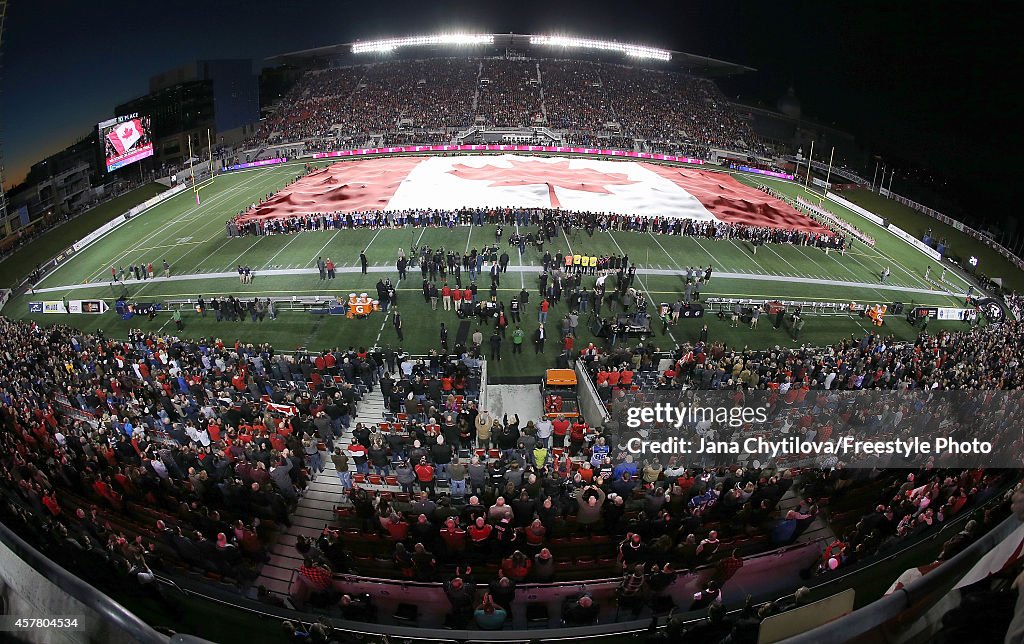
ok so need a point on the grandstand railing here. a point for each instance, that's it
(594, 410)
(105, 612)
(919, 594)
(503, 147)
(123, 619)
(600, 587)
(921, 208)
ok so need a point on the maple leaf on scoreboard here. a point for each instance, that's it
(552, 175)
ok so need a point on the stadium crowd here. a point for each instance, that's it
(550, 223)
(589, 103)
(142, 455)
(509, 93)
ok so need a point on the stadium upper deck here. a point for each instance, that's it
(522, 44)
(425, 95)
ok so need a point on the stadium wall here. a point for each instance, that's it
(899, 232)
(32, 586)
(590, 401)
(100, 232)
(949, 221)
(505, 148)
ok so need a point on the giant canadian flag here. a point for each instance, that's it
(571, 184)
(125, 135)
(603, 186)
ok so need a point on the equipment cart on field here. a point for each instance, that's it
(559, 393)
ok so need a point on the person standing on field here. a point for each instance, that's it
(397, 322)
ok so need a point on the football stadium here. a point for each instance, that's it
(474, 337)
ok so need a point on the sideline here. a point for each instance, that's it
(524, 269)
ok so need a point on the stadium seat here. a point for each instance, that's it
(537, 613)
(586, 562)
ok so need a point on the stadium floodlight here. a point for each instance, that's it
(392, 44)
(636, 51)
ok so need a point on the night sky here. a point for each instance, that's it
(918, 83)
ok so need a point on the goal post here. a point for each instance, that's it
(208, 180)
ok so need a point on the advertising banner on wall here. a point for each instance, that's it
(88, 307)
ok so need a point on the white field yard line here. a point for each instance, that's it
(188, 243)
(808, 253)
(469, 236)
(179, 219)
(851, 217)
(281, 250)
(650, 297)
(215, 199)
(197, 266)
(370, 243)
(569, 246)
(753, 258)
(317, 253)
(387, 316)
(101, 290)
(796, 273)
(522, 280)
(887, 259)
(667, 254)
(713, 259)
(894, 262)
(872, 273)
(219, 232)
(418, 239)
(232, 262)
(213, 252)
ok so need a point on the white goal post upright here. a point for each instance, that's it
(191, 163)
(192, 169)
(828, 175)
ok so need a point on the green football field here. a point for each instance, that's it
(192, 240)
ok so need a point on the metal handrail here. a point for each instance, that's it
(863, 620)
(111, 611)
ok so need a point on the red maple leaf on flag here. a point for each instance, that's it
(552, 175)
(128, 131)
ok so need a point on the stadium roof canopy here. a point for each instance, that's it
(549, 46)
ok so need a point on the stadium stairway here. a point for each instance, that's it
(818, 529)
(316, 506)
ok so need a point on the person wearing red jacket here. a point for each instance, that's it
(425, 475)
(480, 535)
(613, 378)
(453, 536)
(626, 378)
(446, 297)
(560, 427)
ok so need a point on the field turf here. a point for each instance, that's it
(24, 261)
(960, 244)
(192, 239)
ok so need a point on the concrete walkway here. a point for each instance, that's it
(524, 400)
(316, 507)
